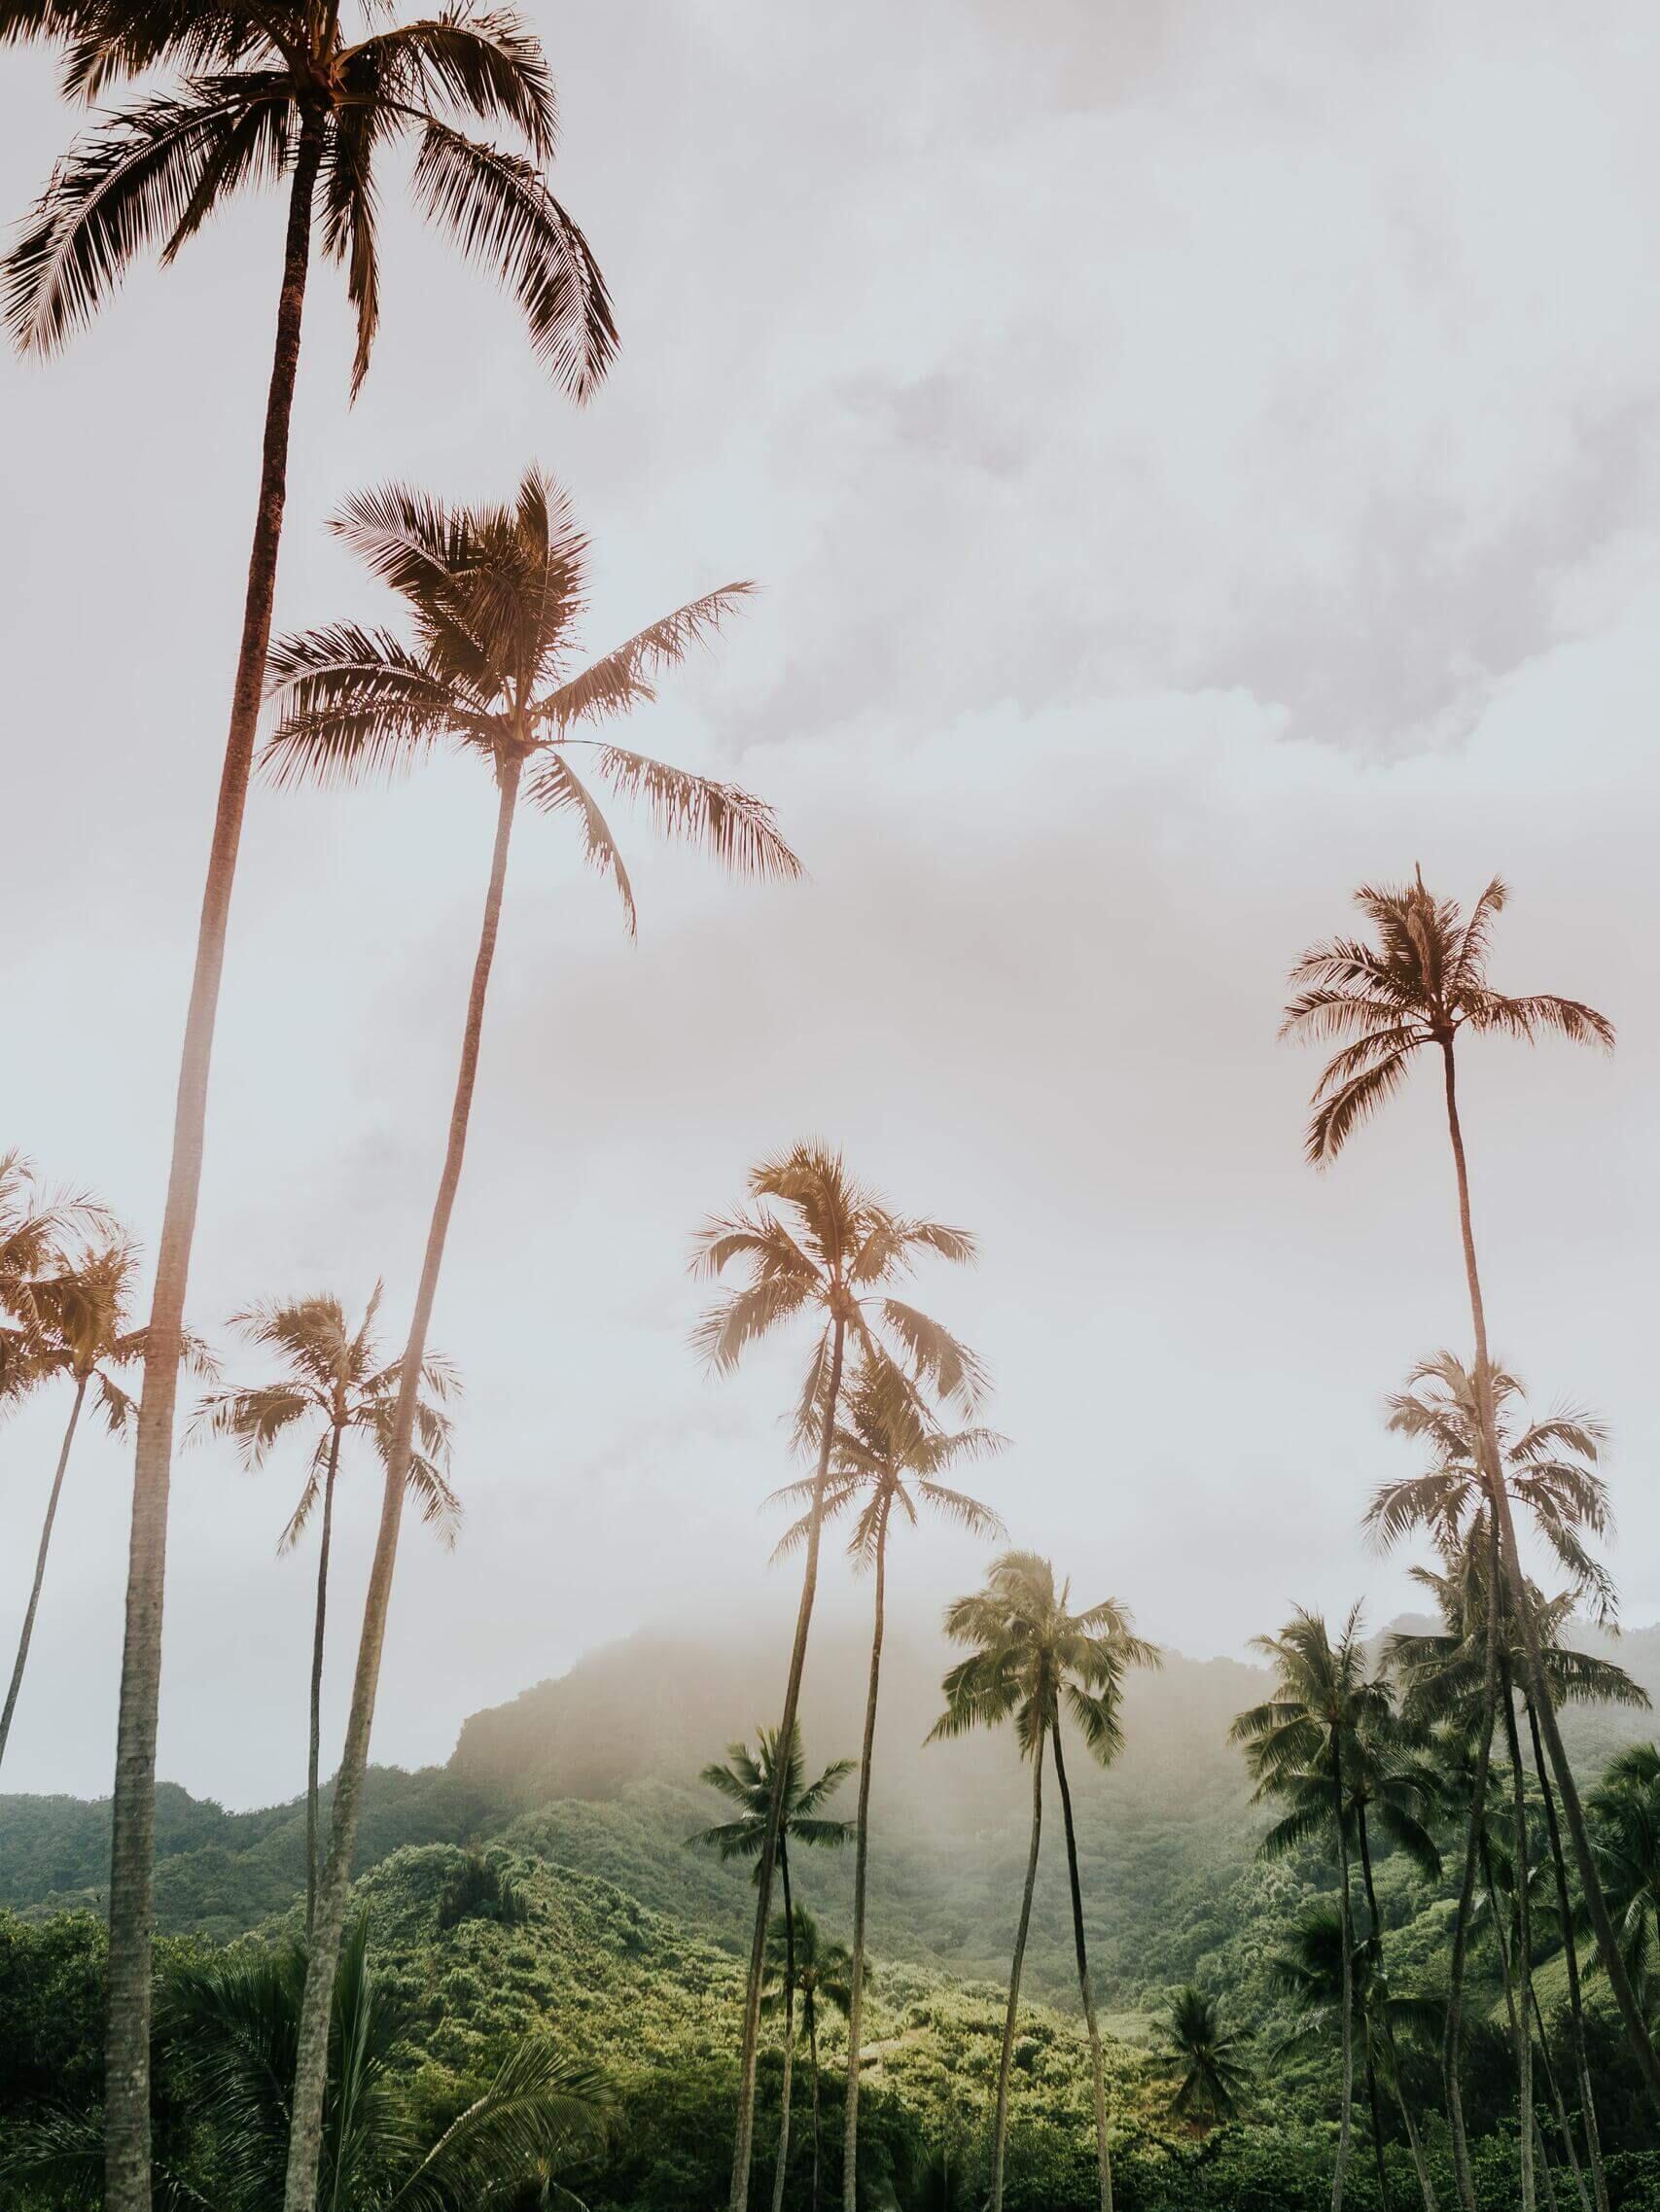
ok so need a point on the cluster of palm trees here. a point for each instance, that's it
(227, 95)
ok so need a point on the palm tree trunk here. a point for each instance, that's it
(33, 1606)
(1427, 2188)
(1340, 2171)
(1558, 2106)
(1537, 1684)
(1524, 1940)
(813, 2054)
(1376, 2110)
(1000, 2125)
(1452, 2046)
(743, 2140)
(311, 1775)
(1516, 2017)
(1102, 2158)
(789, 2027)
(132, 1843)
(311, 2064)
(861, 1861)
(1570, 1953)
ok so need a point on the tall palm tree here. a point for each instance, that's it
(494, 595)
(79, 1329)
(1030, 1657)
(813, 1243)
(1304, 1738)
(1215, 2077)
(886, 1454)
(1422, 985)
(41, 1233)
(748, 1778)
(801, 1962)
(334, 1378)
(1547, 1469)
(262, 92)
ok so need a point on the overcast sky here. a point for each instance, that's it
(1196, 459)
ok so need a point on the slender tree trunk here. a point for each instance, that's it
(34, 1607)
(1571, 1954)
(1452, 2047)
(1426, 2187)
(1538, 1683)
(1376, 2109)
(1000, 2125)
(860, 1862)
(1516, 2017)
(1102, 2158)
(132, 1844)
(311, 2064)
(311, 1774)
(744, 2135)
(813, 2054)
(1558, 2106)
(1340, 2169)
(789, 2027)
(1524, 1940)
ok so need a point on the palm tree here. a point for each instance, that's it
(1030, 1655)
(265, 90)
(1215, 2077)
(41, 1233)
(814, 1242)
(334, 1377)
(79, 1329)
(748, 1779)
(1300, 1740)
(801, 1962)
(494, 595)
(1422, 984)
(887, 1453)
(1625, 1805)
(1548, 1470)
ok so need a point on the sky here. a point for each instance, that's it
(1195, 461)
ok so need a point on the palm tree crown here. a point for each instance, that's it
(1214, 2074)
(83, 1328)
(1424, 980)
(747, 1780)
(494, 595)
(266, 84)
(1032, 1655)
(1625, 1811)
(823, 1970)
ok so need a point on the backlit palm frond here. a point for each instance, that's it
(1525, 1018)
(354, 703)
(347, 192)
(1468, 965)
(737, 828)
(253, 1418)
(724, 1333)
(936, 1358)
(440, 1508)
(497, 209)
(553, 787)
(628, 674)
(964, 1512)
(118, 1408)
(481, 61)
(1336, 1118)
(541, 2107)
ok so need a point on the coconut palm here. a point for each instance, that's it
(1030, 1657)
(1215, 2077)
(258, 94)
(814, 1243)
(1625, 1807)
(748, 1779)
(334, 1378)
(1422, 985)
(887, 1454)
(802, 1964)
(494, 596)
(41, 1233)
(80, 1331)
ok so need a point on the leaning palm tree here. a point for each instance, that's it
(1422, 985)
(1032, 1656)
(813, 1243)
(1324, 1702)
(748, 1779)
(802, 1963)
(334, 1378)
(1209, 2058)
(266, 92)
(494, 595)
(887, 1455)
(80, 1330)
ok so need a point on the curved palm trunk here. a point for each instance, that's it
(1537, 1684)
(1524, 1943)
(1000, 2125)
(789, 2027)
(311, 1775)
(743, 2141)
(1427, 2188)
(813, 2054)
(34, 1607)
(132, 1843)
(860, 1862)
(1570, 1953)
(1452, 2047)
(1558, 2106)
(1102, 2158)
(311, 2064)
(1376, 2109)
(1345, 2126)
(1516, 2015)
